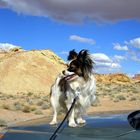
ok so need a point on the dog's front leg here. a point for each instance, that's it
(80, 111)
(55, 109)
(80, 120)
(71, 121)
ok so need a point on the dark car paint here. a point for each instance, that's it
(97, 128)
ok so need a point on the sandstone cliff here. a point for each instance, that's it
(28, 71)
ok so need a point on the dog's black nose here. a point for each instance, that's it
(63, 72)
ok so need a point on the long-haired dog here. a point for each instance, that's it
(77, 79)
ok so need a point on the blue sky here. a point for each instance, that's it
(112, 39)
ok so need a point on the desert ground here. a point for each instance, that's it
(26, 79)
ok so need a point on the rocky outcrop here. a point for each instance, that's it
(113, 78)
(137, 77)
(28, 71)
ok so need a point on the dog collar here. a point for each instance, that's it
(70, 77)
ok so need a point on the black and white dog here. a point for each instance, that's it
(77, 79)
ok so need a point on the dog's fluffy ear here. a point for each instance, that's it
(72, 55)
(85, 59)
(86, 63)
(83, 54)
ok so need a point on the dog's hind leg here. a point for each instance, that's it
(54, 120)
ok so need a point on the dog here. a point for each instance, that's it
(76, 80)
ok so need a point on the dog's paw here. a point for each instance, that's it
(53, 123)
(81, 121)
(72, 124)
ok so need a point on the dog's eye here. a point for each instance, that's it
(72, 67)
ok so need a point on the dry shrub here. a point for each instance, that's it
(120, 97)
(133, 99)
(3, 123)
(6, 106)
(38, 112)
(26, 109)
(18, 106)
(40, 103)
(45, 106)
(96, 102)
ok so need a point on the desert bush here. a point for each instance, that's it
(102, 94)
(45, 106)
(3, 123)
(133, 89)
(40, 103)
(29, 94)
(29, 101)
(96, 102)
(120, 97)
(36, 96)
(116, 100)
(111, 96)
(11, 96)
(97, 93)
(133, 99)
(18, 106)
(38, 112)
(6, 106)
(136, 91)
(105, 93)
(130, 94)
(107, 90)
(26, 109)
(127, 96)
(3, 97)
(46, 98)
(33, 108)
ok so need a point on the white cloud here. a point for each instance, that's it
(119, 58)
(64, 52)
(135, 58)
(82, 39)
(134, 55)
(104, 64)
(107, 65)
(138, 72)
(135, 42)
(6, 47)
(77, 10)
(132, 48)
(118, 47)
(101, 57)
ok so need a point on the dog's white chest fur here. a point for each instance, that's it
(86, 90)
